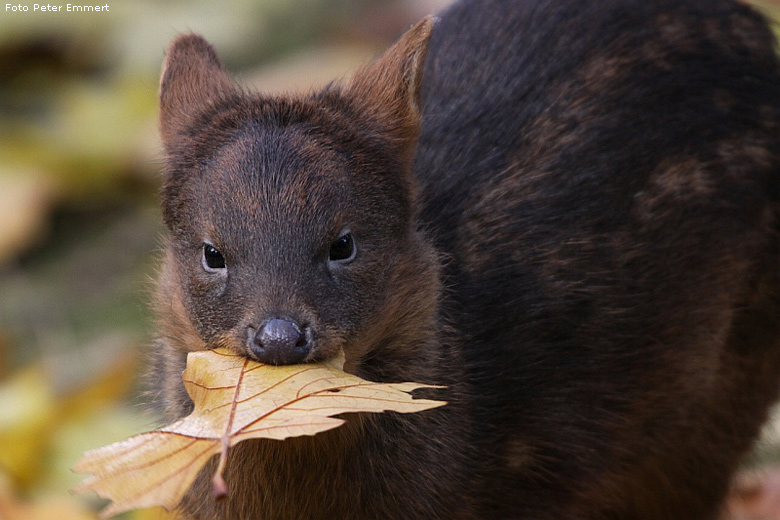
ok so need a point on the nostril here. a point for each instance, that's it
(281, 342)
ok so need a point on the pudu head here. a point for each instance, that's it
(292, 230)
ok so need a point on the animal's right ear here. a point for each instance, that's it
(388, 89)
(192, 80)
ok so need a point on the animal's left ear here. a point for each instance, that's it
(388, 89)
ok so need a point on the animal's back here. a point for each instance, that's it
(604, 178)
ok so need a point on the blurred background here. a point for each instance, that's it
(80, 225)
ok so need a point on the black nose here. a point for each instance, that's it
(281, 342)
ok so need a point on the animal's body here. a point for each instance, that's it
(568, 213)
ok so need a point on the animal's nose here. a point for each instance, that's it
(281, 342)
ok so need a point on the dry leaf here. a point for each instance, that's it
(12, 507)
(35, 411)
(755, 495)
(235, 399)
(24, 206)
(27, 418)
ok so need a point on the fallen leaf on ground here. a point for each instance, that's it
(27, 417)
(35, 410)
(24, 208)
(235, 399)
(755, 495)
(12, 507)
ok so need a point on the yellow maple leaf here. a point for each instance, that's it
(235, 399)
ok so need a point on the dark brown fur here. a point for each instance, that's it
(568, 213)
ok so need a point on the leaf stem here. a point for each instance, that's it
(219, 488)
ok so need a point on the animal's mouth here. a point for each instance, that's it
(282, 341)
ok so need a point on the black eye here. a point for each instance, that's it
(212, 258)
(343, 249)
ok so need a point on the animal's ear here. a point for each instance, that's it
(192, 79)
(388, 89)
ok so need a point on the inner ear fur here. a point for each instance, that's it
(192, 80)
(388, 89)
